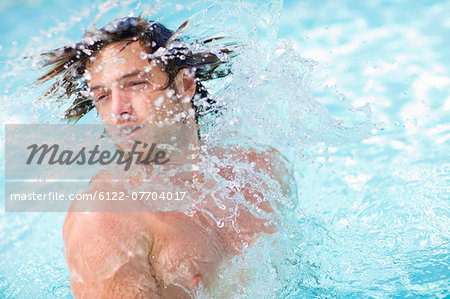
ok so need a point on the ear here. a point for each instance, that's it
(185, 84)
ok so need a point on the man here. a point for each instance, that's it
(134, 73)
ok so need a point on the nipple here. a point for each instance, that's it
(196, 279)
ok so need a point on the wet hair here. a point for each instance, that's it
(67, 65)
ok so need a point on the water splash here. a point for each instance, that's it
(366, 220)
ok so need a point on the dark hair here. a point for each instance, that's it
(68, 64)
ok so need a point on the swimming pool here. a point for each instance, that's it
(371, 216)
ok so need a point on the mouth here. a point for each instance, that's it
(128, 130)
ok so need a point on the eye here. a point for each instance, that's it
(100, 97)
(138, 85)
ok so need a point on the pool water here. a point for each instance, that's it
(356, 95)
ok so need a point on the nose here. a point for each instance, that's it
(121, 107)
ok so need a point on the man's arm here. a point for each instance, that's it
(107, 254)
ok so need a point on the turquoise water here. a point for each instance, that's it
(356, 95)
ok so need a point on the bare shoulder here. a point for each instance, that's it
(88, 233)
(268, 160)
(107, 254)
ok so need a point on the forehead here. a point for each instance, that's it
(117, 60)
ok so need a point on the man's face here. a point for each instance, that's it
(128, 89)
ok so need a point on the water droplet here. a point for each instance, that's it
(143, 55)
(220, 223)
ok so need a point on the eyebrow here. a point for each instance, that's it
(133, 74)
